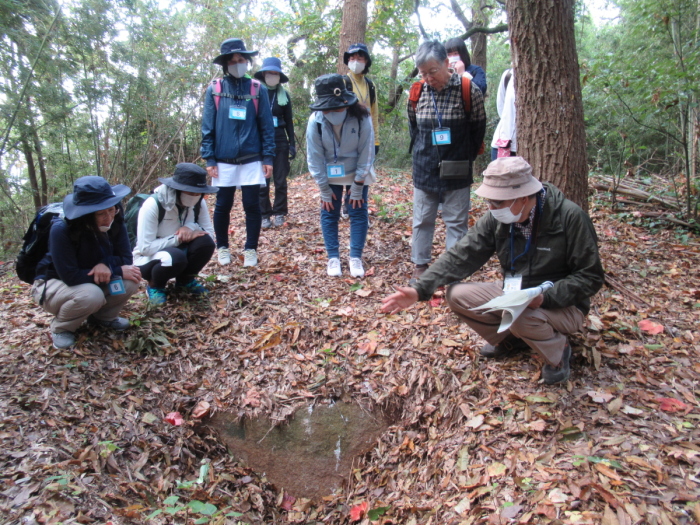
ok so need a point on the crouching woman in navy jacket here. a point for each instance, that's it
(88, 272)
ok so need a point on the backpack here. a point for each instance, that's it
(370, 85)
(131, 215)
(254, 93)
(36, 241)
(417, 88)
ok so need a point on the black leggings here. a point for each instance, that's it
(188, 259)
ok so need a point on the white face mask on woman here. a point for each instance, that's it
(356, 66)
(105, 229)
(272, 80)
(189, 200)
(505, 216)
(336, 117)
(238, 70)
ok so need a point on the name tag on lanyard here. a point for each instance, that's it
(335, 170)
(442, 137)
(274, 121)
(116, 286)
(512, 283)
(237, 112)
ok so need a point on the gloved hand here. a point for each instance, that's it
(356, 191)
(292, 152)
(376, 150)
(326, 193)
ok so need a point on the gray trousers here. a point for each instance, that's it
(455, 215)
(544, 330)
(73, 304)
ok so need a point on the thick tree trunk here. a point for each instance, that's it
(479, 39)
(353, 28)
(551, 133)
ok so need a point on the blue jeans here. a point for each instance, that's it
(359, 222)
(253, 217)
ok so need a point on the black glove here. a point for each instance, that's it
(292, 152)
(376, 150)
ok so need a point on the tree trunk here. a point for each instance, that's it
(31, 172)
(353, 28)
(551, 133)
(479, 39)
(44, 187)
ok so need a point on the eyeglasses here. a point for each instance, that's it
(430, 73)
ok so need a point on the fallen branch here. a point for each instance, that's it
(618, 286)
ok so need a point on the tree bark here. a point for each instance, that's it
(479, 39)
(551, 133)
(31, 172)
(353, 28)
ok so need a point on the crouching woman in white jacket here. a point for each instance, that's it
(175, 237)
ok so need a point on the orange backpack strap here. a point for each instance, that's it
(414, 93)
(467, 93)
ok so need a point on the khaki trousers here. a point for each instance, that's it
(73, 304)
(544, 330)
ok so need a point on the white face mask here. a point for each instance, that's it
(356, 66)
(336, 117)
(454, 59)
(105, 229)
(189, 200)
(505, 216)
(238, 70)
(272, 80)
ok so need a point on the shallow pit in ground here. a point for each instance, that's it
(310, 455)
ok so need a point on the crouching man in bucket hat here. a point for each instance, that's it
(538, 235)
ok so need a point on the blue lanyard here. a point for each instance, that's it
(436, 109)
(527, 248)
(274, 97)
(335, 152)
(105, 255)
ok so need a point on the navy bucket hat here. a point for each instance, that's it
(189, 177)
(231, 46)
(331, 93)
(91, 194)
(358, 48)
(271, 64)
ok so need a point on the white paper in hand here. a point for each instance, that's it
(513, 304)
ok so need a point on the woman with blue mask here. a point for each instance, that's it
(340, 151)
(238, 144)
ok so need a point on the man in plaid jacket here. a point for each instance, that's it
(441, 130)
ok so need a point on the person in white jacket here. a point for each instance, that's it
(504, 142)
(175, 237)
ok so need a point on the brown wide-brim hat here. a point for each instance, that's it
(508, 178)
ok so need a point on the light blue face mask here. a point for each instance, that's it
(238, 70)
(336, 117)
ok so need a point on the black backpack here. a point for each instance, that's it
(36, 241)
(370, 85)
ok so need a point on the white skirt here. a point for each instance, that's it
(239, 174)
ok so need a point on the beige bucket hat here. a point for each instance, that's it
(508, 178)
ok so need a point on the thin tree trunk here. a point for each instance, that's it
(551, 132)
(479, 40)
(31, 172)
(353, 28)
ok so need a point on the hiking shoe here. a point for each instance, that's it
(558, 374)
(509, 346)
(62, 340)
(119, 323)
(156, 296)
(344, 211)
(417, 272)
(266, 223)
(192, 287)
(224, 256)
(250, 258)
(279, 221)
(333, 269)
(356, 268)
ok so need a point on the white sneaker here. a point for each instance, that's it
(334, 269)
(224, 256)
(356, 268)
(250, 258)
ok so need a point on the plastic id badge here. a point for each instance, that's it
(441, 137)
(236, 112)
(513, 283)
(336, 170)
(116, 286)
(274, 121)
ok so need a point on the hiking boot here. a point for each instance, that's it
(156, 296)
(509, 346)
(279, 221)
(356, 268)
(558, 374)
(62, 340)
(250, 258)
(333, 269)
(224, 256)
(192, 287)
(118, 323)
(266, 223)
(417, 272)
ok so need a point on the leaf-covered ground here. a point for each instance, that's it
(83, 435)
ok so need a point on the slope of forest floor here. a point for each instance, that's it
(83, 435)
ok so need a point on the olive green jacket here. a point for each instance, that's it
(563, 250)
